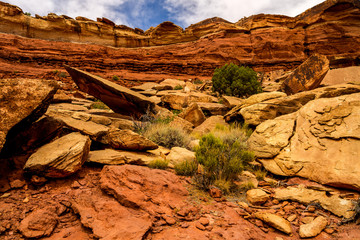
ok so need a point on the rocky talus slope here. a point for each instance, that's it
(75, 169)
(265, 42)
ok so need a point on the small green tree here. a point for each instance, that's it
(235, 81)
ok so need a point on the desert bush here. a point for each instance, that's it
(186, 168)
(115, 78)
(167, 136)
(222, 158)
(236, 81)
(98, 105)
(159, 164)
(27, 14)
(62, 74)
(247, 186)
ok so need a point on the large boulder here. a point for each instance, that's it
(210, 124)
(308, 75)
(61, 157)
(120, 99)
(180, 100)
(323, 145)
(179, 154)
(22, 101)
(342, 75)
(258, 112)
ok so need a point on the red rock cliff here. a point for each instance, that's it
(265, 42)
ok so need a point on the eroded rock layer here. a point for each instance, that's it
(265, 42)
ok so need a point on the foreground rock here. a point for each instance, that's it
(324, 143)
(210, 124)
(275, 221)
(118, 98)
(22, 101)
(257, 196)
(39, 223)
(134, 186)
(179, 154)
(331, 202)
(107, 218)
(314, 228)
(60, 158)
(308, 75)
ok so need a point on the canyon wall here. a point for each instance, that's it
(264, 42)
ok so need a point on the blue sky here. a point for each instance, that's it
(146, 13)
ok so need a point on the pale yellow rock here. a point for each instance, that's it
(333, 203)
(181, 123)
(193, 114)
(178, 154)
(275, 221)
(61, 157)
(314, 228)
(210, 124)
(257, 196)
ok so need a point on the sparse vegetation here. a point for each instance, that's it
(167, 136)
(223, 155)
(247, 186)
(27, 14)
(236, 81)
(178, 87)
(186, 168)
(198, 81)
(159, 164)
(115, 78)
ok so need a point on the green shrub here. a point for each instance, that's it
(222, 158)
(186, 168)
(167, 136)
(236, 81)
(159, 164)
(27, 14)
(115, 78)
(178, 87)
(247, 186)
(198, 81)
(62, 74)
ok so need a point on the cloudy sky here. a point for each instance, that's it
(146, 13)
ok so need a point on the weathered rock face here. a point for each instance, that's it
(308, 75)
(60, 158)
(322, 146)
(39, 223)
(22, 101)
(265, 42)
(342, 75)
(254, 114)
(210, 124)
(118, 98)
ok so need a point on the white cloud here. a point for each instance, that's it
(183, 12)
(193, 11)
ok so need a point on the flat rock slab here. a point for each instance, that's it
(116, 157)
(275, 221)
(23, 101)
(134, 186)
(107, 218)
(119, 99)
(39, 223)
(61, 157)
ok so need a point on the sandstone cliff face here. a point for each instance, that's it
(264, 42)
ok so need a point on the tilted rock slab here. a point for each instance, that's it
(119, 99)
(275, 221)
(22, 101)
(61, 157)
(323, 144)
(308, 75)
(193, 114)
